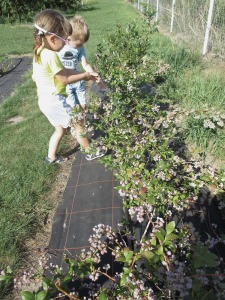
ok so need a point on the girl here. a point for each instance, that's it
(50, 35)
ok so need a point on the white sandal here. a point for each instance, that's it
(100, 151)
(57, 160)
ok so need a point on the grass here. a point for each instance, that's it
(193, 84)
(102, 17)
(198, 90)
(15, 40)
(24, 179)
(190, 21)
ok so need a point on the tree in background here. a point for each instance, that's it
(23, 10)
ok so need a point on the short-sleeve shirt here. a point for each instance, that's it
(44, 72)
(71, 57)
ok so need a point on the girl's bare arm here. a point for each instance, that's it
(68, 76)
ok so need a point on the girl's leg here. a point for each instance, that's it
(54, 141)
(81, 137)
(91, 152)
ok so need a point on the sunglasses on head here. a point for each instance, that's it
(43, 31)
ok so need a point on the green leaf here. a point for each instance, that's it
(46, 283)
(126, 251)
(123, 280)
(130, 172)
(147, 254)
(128, 185)
(153, 241)
(9, 270)
(129, 255)
(67, 279)
(163, 232)
(142, 165)
(89, 260)
(168, 244)
(126, 271)
(102, 296)
(6, 278)
(121, 258)
(171, 236)
(41, 295)
(160, 250)
(159, 236)
(202, 257)
(27, 296)
(170, 227)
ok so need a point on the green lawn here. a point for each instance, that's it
(15, 40)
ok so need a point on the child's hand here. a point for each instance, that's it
(99, 80)
(91, 76)
(94, 74)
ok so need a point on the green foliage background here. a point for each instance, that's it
(23, 10)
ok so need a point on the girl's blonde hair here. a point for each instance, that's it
(50, 21)
(80, 29)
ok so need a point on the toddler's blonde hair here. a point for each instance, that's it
(80, 29)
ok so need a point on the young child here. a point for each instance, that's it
(50, 35)
(72, 55)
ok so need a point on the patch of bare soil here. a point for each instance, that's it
(15, 120)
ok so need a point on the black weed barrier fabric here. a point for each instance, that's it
(89, 199)
(11, 74)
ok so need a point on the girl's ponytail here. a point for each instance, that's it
(37, 43)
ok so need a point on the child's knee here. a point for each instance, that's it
(59, 130)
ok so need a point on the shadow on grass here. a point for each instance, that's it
(88, 8)
(72, 151)
(84, 8)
